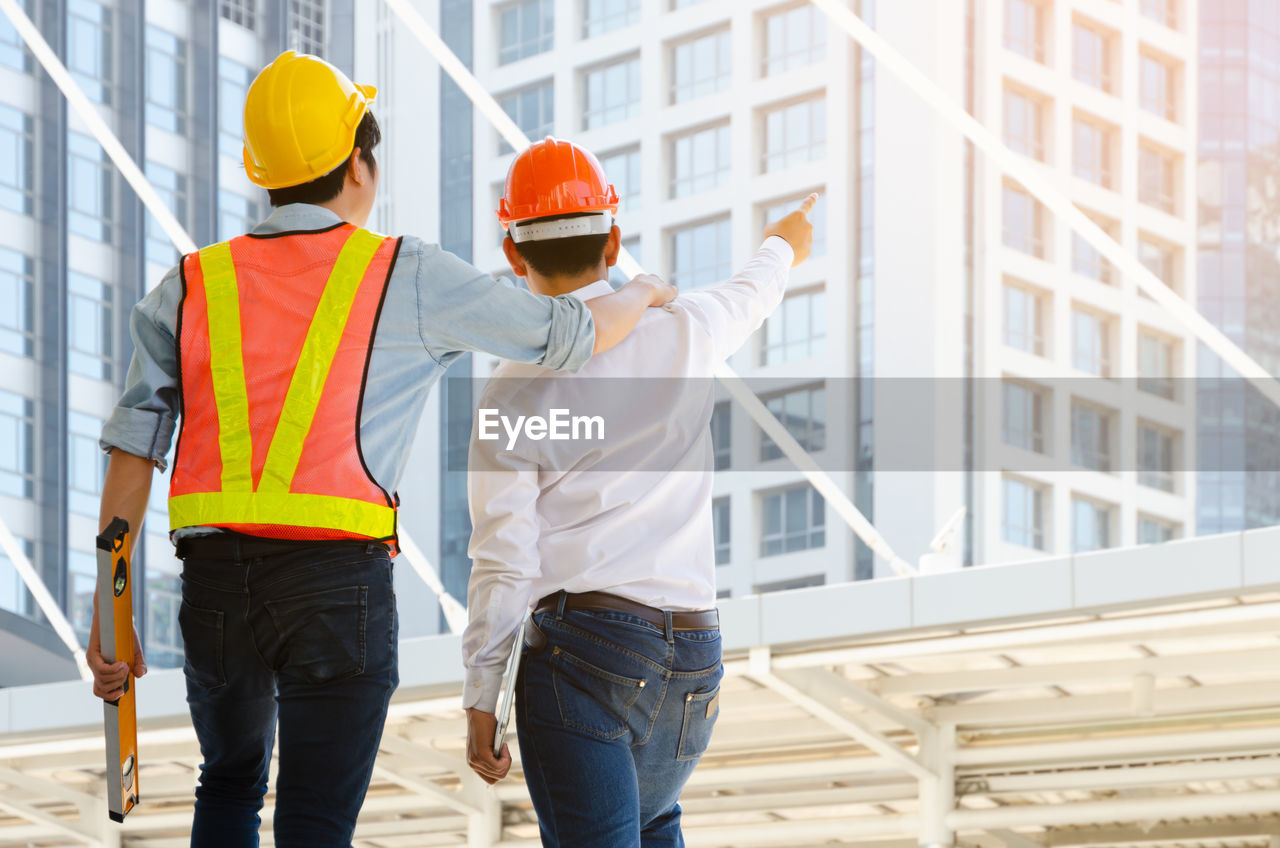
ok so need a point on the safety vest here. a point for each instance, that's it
(274, 338)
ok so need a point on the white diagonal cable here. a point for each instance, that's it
(185, 244)
(1021, 169)
(514, 136)
(44, 600)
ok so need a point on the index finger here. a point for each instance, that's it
(806, 205)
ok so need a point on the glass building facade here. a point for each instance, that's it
(1239, 263)
(78, 249)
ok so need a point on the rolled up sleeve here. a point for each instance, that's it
(145, 417)
(462, 309)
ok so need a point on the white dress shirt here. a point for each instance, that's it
(603, 520)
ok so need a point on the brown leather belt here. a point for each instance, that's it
(698, 620)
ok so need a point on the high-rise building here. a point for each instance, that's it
(1081, 370)
(77, 250)
(1239, 431)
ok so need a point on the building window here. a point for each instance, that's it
(817, 216)
(17, 446)
(89, 54)
(164, 637)
(720, 523)
(1156, 177)
(1091, 436)
(241, 12)
(526, 28)
(233, 86)
(166, 81)
(89, 188)
(1090, 525)
(601, 16)
(797, 329)
(804, 413)
(172, 188)
(1161, 11)
(1091, 337)
(700, 160)
(82, 577)
(1024, 319)
(795, 133)
(1160, 259)
(237, 214)
(1023, 513)
(86, 463)
(533, 110)
(683, 4)
(14, 595)
(794, 519)
(701, 66)
(1092, 152)
(622, 168)
(17, 303)
(794, 38)
(1024, 124)
(1025, 30)
(611, 93)
(1092, 54)
(700, 254)
(13, 53)
(722, 435)
(90, 319)
(17, 164)
(1085, 258)
(1158, 94)
(1023, 222)
(1157, 358)
(1156, 447)
(1023, 416)
(1155, 531)
(306, 26)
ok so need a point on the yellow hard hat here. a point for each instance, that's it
(300, 119)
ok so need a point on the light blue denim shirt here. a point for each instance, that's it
(437, 307)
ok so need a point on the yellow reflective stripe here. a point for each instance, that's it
(292, 510)
(315, 360)
(226, 364)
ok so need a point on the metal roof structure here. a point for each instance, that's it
(1123, 697)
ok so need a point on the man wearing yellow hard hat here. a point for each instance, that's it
(294, 362)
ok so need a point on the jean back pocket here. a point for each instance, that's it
(591, 699)
(701, 709)
(321, 634)
(202, 636)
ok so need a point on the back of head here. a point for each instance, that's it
(558, 208)
(303, 118)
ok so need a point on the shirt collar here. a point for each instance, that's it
(599, 288)
(297, 217)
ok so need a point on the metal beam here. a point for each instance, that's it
(426, 788)
(1063, 674)
(838, 686)
(821, 706)
(78, 830)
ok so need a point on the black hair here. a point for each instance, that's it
(563, 257)
(326, 188)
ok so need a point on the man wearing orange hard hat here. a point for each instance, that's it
(608, 541)
(295, 361)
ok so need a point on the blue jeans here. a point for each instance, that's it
(307, 638)
(613, 715)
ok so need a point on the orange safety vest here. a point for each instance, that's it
(274, 339)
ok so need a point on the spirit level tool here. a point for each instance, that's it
(115, 628)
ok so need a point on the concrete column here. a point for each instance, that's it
(938, 794)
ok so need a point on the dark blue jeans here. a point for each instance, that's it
(612, 715)
(307, 638)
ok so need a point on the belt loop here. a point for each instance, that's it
(560, 602)
(235, 549)
(670, 631)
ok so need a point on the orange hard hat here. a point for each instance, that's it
(555, 177)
